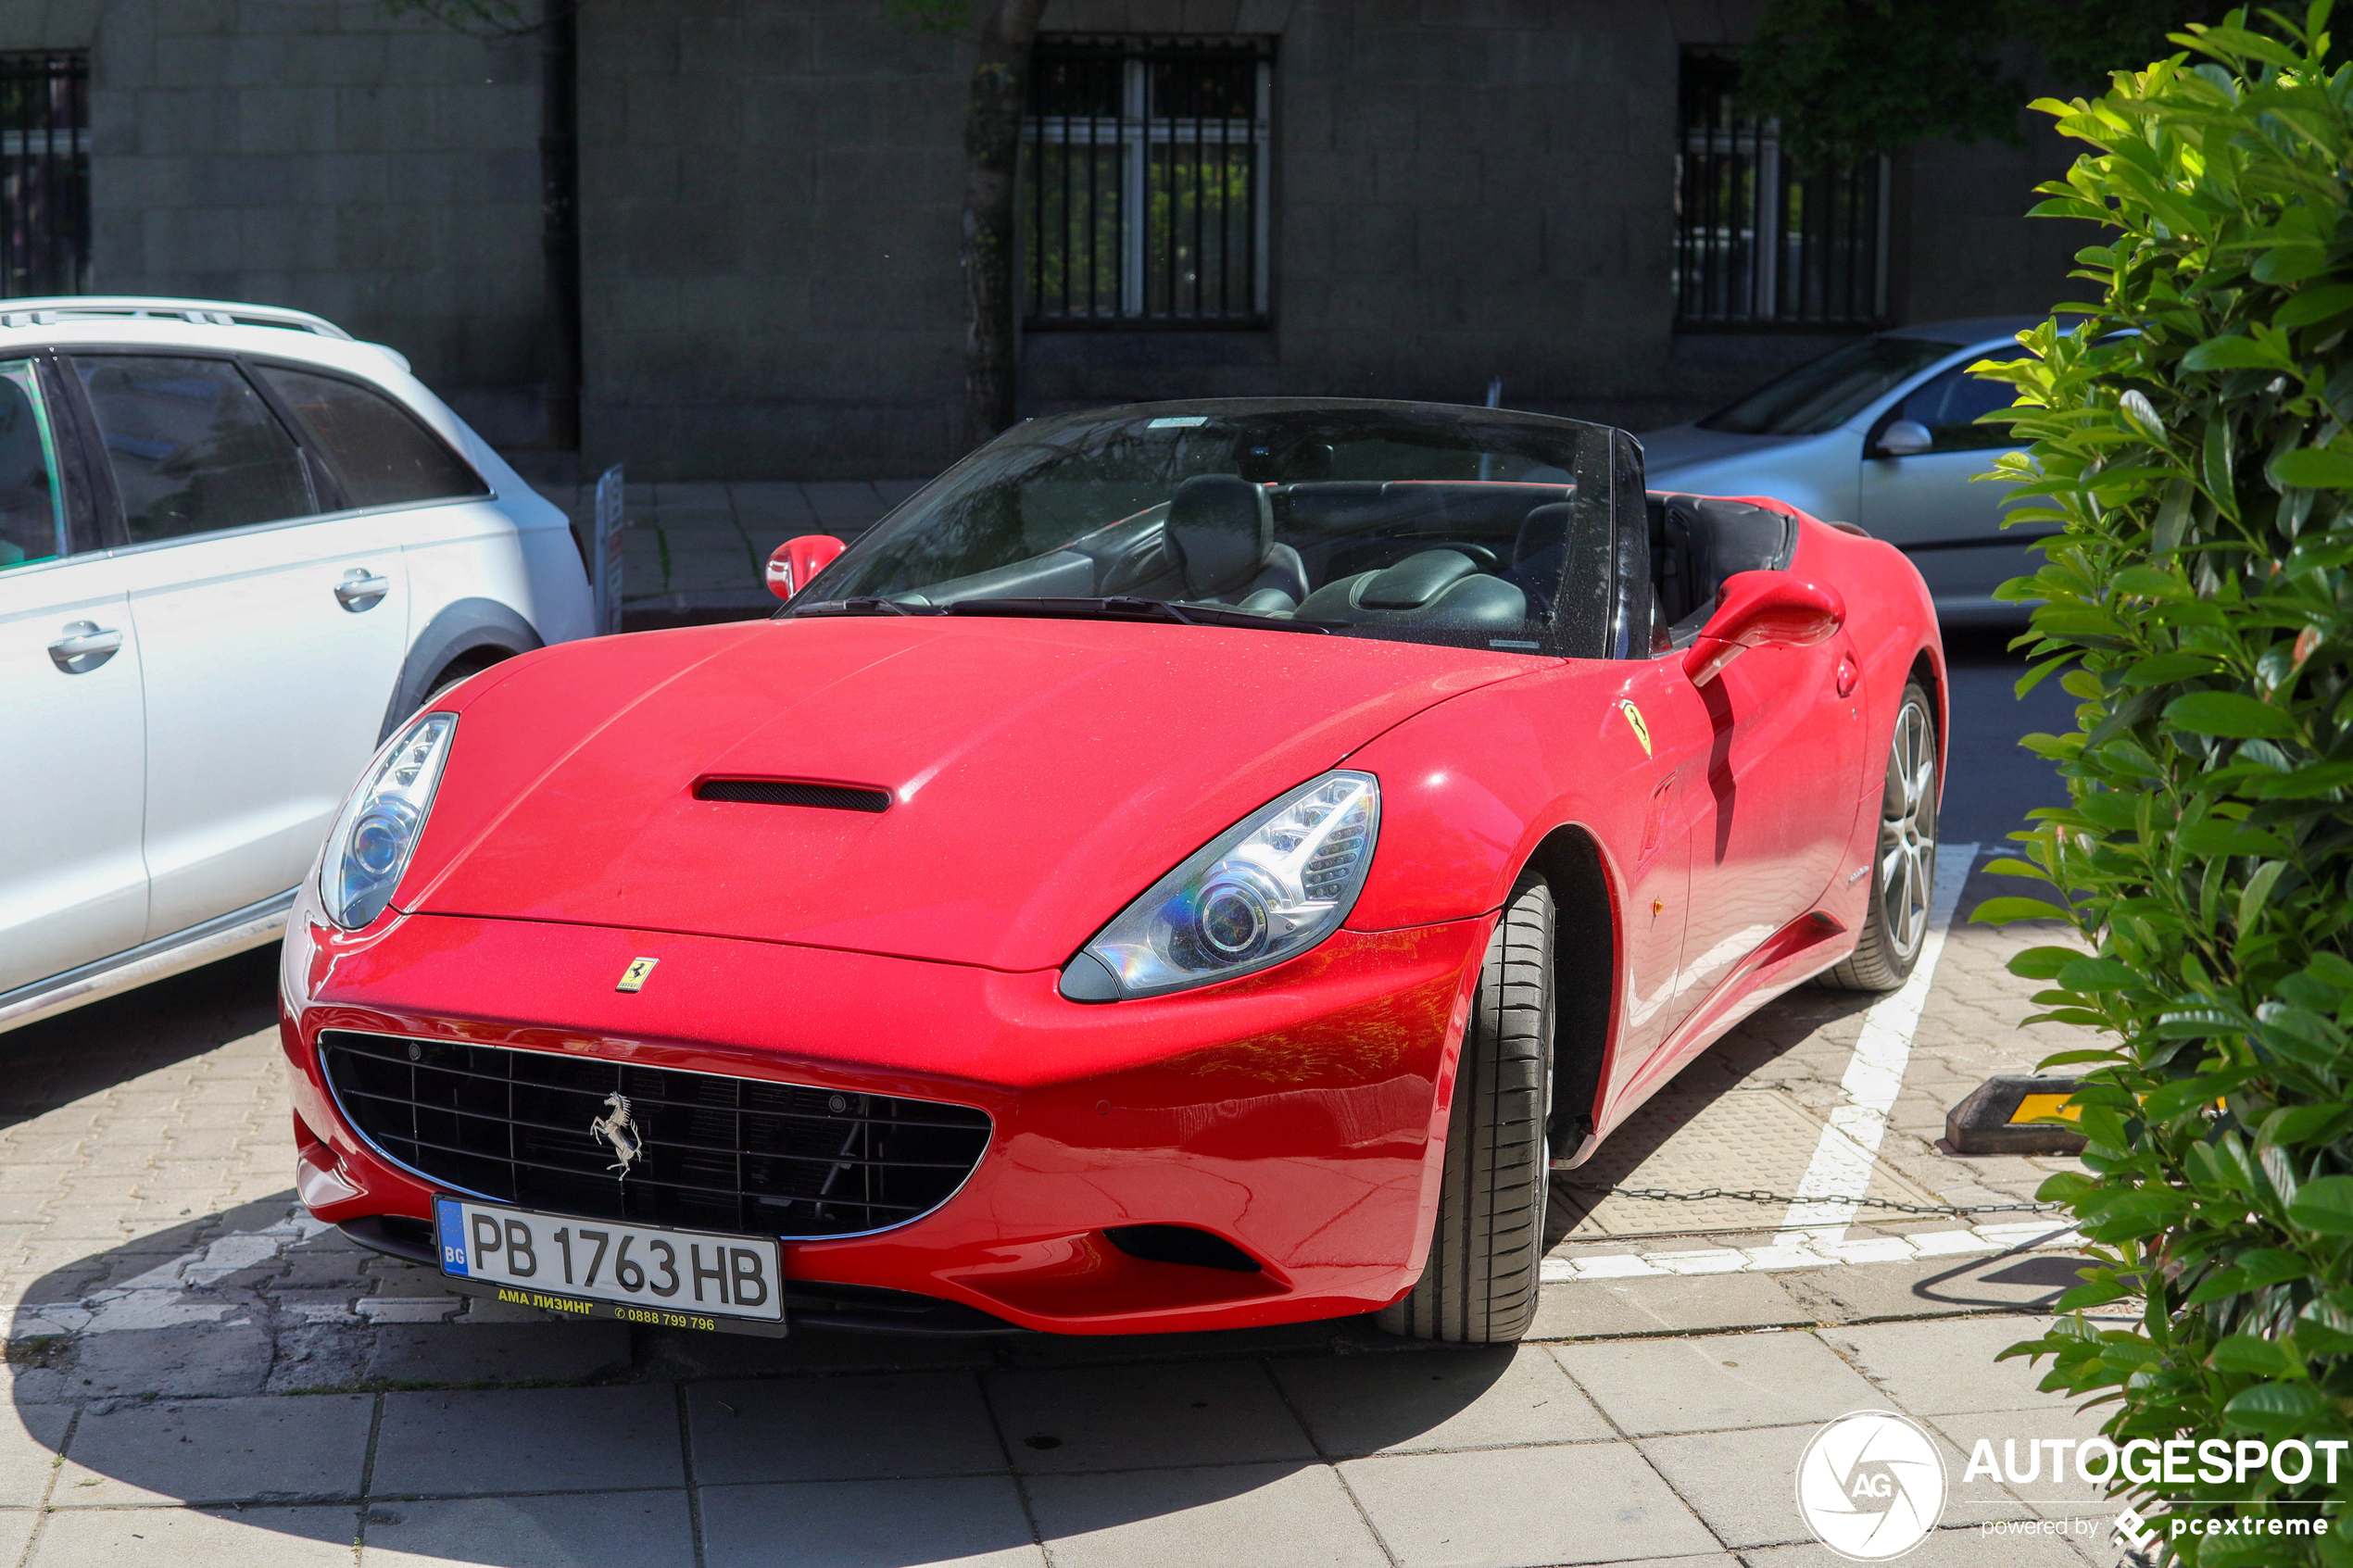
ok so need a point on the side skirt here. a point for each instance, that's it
(224, 936)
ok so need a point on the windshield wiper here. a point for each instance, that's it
(1121, 607)
(859, 606)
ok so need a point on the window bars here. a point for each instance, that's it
(1145, 194)
(45, 174)
(1758, 241)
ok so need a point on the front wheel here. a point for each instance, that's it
(1488, 1241)
(1904, 862)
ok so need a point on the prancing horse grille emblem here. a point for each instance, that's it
(616, 1129)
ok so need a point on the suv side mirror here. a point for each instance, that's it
(1904, 438)
(1763, 609)
(798, 560)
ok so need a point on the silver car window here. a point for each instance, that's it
(1824, 394)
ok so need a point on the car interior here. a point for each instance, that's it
(1434, 554)
(1697, 543)
(1466, 554)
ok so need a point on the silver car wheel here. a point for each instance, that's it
(1907, 830)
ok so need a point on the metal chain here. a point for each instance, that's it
(1753, 1195)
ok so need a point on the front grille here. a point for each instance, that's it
(794, 792)
(727, 1154)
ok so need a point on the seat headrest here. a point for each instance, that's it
(1220, 527)
(1544, 528)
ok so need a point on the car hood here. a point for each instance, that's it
(1042, 774)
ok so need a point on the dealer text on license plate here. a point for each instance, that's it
(604, 1268)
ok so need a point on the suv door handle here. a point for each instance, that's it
(86, 645)
(361, 589)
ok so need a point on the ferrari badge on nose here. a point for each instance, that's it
(633, 977)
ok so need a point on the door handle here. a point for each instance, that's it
(361, 589)
(1848, 673)
(86, 645)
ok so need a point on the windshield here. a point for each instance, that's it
(1823, 394)
(1415, 521)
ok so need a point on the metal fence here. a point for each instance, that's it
(45, 174)
(1758, 241)
(1144, 183)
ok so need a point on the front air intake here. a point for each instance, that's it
(794, 792)
(746, 1155)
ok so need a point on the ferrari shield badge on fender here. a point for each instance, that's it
(1633, 720)
(633, 977)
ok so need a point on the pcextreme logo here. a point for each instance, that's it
(1872, 1485)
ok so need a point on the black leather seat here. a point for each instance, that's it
(1698, 541)
(1222, 531)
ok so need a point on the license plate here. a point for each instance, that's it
(606, 1269)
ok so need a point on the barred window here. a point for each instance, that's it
(45, 174)
(1144, 198)
(1760, 240)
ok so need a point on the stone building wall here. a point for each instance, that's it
(318, 154)
(1462, 190)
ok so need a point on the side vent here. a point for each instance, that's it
(794, 792)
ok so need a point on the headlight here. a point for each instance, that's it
(373, 838)
(1273, 886)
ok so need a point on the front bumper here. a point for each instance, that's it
(1298, 1113)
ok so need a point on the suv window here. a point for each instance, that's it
(1949, 405)
(193, 446)
(33, 521)
(379, 451)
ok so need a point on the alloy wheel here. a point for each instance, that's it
(1907, 830)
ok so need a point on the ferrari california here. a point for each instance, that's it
(1194, 865)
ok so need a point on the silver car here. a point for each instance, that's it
(1880, 434)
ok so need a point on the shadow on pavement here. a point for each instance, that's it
(60, 1060)
(918, 1442)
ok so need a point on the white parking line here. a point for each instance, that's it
(1839, 1173)
(1812, 1250)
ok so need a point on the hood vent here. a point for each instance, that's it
(794, 792)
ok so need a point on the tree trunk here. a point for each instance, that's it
(992, 152)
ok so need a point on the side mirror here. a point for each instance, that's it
(1763, 609)
(798, 560)
(1905, 438)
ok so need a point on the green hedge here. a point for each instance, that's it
(2191, 438)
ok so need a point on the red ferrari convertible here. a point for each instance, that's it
(1194, 865)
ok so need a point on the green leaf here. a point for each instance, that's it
(2265, 1357)
(2314, 468)
(2285, 1410)
(2001, 911)
(2231, 714)
(2272, 1265)
(2100, 975)
(2325, 1205)
(2236, 354)
(2165, 669)
(2042, 963)
(2314, 304)
(2216, 473)
(2258, 892)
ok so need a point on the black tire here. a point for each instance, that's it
(1488, 1241)
(1903, 858)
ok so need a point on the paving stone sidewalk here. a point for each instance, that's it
(200, 1375)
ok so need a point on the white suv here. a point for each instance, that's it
(236, 547)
